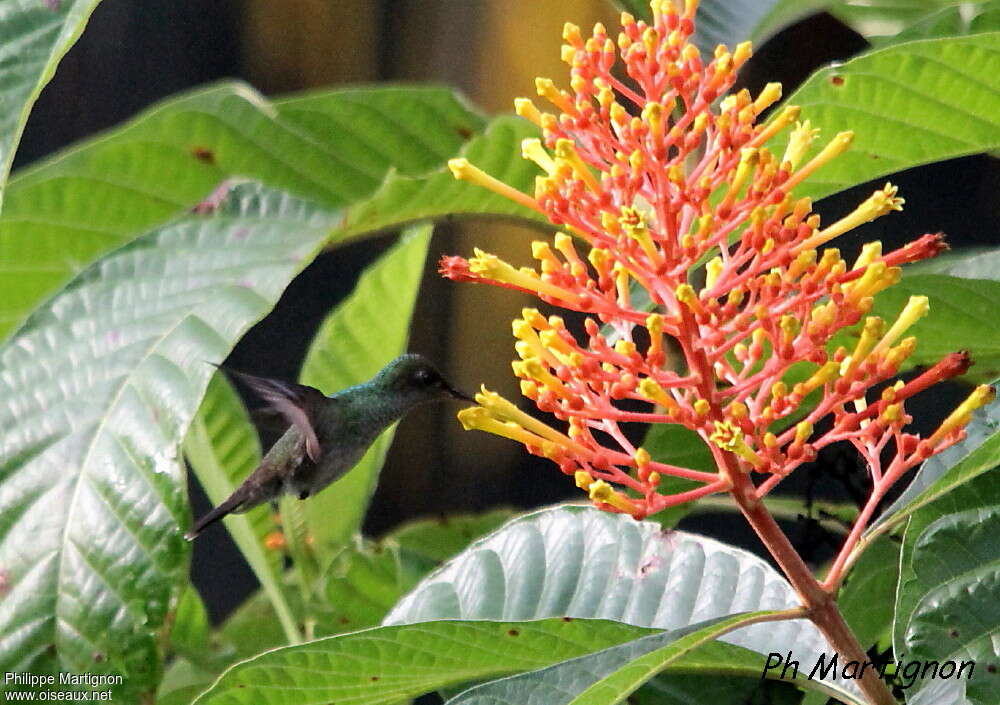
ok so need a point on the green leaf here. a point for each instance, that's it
(962, 317)
(581, 562)
(97, 391)
(968, 263)
(946, 606)
(955, 20)
(981, 492)
(403, 199)
(438, 539)
(222, 449)
(34, 37)
(867, 596)
(389, 664)
(605, 677)
(335, 148)
(191, 631)
(910, 104)
(363, 334)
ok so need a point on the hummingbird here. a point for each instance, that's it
(328, 434)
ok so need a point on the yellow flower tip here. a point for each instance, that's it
(521, 329)
(571, 34)
(583, 479)
(702, 407)
(473, 417)
(770, 440)
(533, 150)
(525, 108)
(743, 51)
(459, 167)
(870, 252)
(642, 457)
(799, 142)
(891, 414)
(685, 294)
(770, 95)
(650, 388)
(601, 491)
(729, 437)
(803, 429)
(625, 347)
(713, 269)
(915, 309)
(546, 88)
(738, 410)
(463, 170)
(960, 417)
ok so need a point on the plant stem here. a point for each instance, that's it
(820, 604)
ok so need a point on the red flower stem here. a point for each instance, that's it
(821, 607)
(840, 564)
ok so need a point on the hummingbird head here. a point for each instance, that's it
(416, 379)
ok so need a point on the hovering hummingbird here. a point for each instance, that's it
(328, 434)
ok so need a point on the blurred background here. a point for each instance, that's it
(136, 52)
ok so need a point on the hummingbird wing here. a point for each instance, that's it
(296, 402)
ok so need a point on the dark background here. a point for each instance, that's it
(135, 52)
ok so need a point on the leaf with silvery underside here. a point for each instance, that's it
(96, 393)
(581, 562)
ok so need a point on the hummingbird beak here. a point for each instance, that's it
(457, 394)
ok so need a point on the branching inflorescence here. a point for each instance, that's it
(662, 182)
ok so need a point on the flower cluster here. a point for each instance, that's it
(706, 284)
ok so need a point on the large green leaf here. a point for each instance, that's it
(946, 606)
(962, 317)
(96, 393)
(910, 104)
(222, 449)
(34, 37)
(867, 595)
(336, 148)
(607, 676)
(387, 665)
(581, 562)
(404, 198)
(361, 336)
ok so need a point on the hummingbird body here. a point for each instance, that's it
(328, 434)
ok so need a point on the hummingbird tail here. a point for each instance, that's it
(230, 505)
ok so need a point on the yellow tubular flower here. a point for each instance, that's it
(601, 491)
(915, 309)
(981, 396)
(488, 265)
(464, 171)
(875, 206)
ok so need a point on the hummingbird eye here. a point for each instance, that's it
(423, 377)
